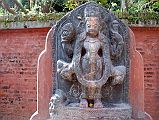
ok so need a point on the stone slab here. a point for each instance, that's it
(119, 112)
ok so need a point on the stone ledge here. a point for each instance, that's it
(27, 24)
(50, 23)
(120, 112)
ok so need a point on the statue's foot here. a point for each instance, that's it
(98, 104)
(83, 103)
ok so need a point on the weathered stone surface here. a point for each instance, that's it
(119, 112)
(92, 56)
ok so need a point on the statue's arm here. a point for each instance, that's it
(77, 55)
(107, 64)
(66, 70)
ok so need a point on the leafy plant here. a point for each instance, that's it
(138, 10)
(2, 11)
(104, 3)
(137, 7)
(72, 4)
(155, 6)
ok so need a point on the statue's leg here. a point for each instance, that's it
(97, 99)
(83, 100)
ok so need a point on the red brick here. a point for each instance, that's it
(147, 40)
(19, 52)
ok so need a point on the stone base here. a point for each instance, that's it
(119, 112)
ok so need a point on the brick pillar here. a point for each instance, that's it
(44, 80)
(136, 84)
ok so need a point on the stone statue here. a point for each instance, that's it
(117, 42)
(67, 36)
(86, 56)
(92, 55)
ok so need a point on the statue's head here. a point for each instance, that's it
(92, 18)
(92, 26)
(115, 25)
(67, 32)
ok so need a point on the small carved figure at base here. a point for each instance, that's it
(57, 100)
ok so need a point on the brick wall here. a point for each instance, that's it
(19, 50)
(147, 40)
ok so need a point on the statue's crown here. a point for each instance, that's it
(92, 11)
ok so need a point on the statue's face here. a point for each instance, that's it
(66, 35)
(115, 26)
(92, 25)
(67, 32)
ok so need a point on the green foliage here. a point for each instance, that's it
(46, 6)
(143, 10)
(104, 3)
(25, 3)
(143, 6)
(137, 7)
(155, 6)
(58, 2)
(109, 4)
(2, 11)
(72, 4)
(52, 5)
(140, 10)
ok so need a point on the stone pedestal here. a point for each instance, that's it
(118, 112)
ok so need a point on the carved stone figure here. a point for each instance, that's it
(67, 36)
(91, 56)
(90, 59)
(57, 100)
(117, 42)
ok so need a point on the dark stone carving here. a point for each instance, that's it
(91, 55)
(67, 36)
(116, 43)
